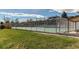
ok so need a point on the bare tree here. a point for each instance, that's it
(7, 22)
(17, 20)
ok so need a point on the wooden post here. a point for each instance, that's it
(75, 26)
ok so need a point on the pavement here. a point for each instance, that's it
(61, 34)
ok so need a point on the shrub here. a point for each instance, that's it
(2, 25)
(7, 25)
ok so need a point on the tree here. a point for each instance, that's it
(16, 20)
(64, 15)
(7, 19)
(7, 23)
(2, 25)
(12, 22)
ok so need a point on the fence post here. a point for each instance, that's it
(36, 24)
(56, 25)
(44, 24)
(68, 25)
(59, 24)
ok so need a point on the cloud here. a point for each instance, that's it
(21, 14)
(67, 10)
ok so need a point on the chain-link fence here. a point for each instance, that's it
(52, 25)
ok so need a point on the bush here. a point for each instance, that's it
(6, 25)
(2, 25)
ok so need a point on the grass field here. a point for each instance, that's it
(26, 39)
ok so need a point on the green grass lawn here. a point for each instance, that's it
(26, 39)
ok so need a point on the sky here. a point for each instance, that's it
(34, 13)
(27, 12)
